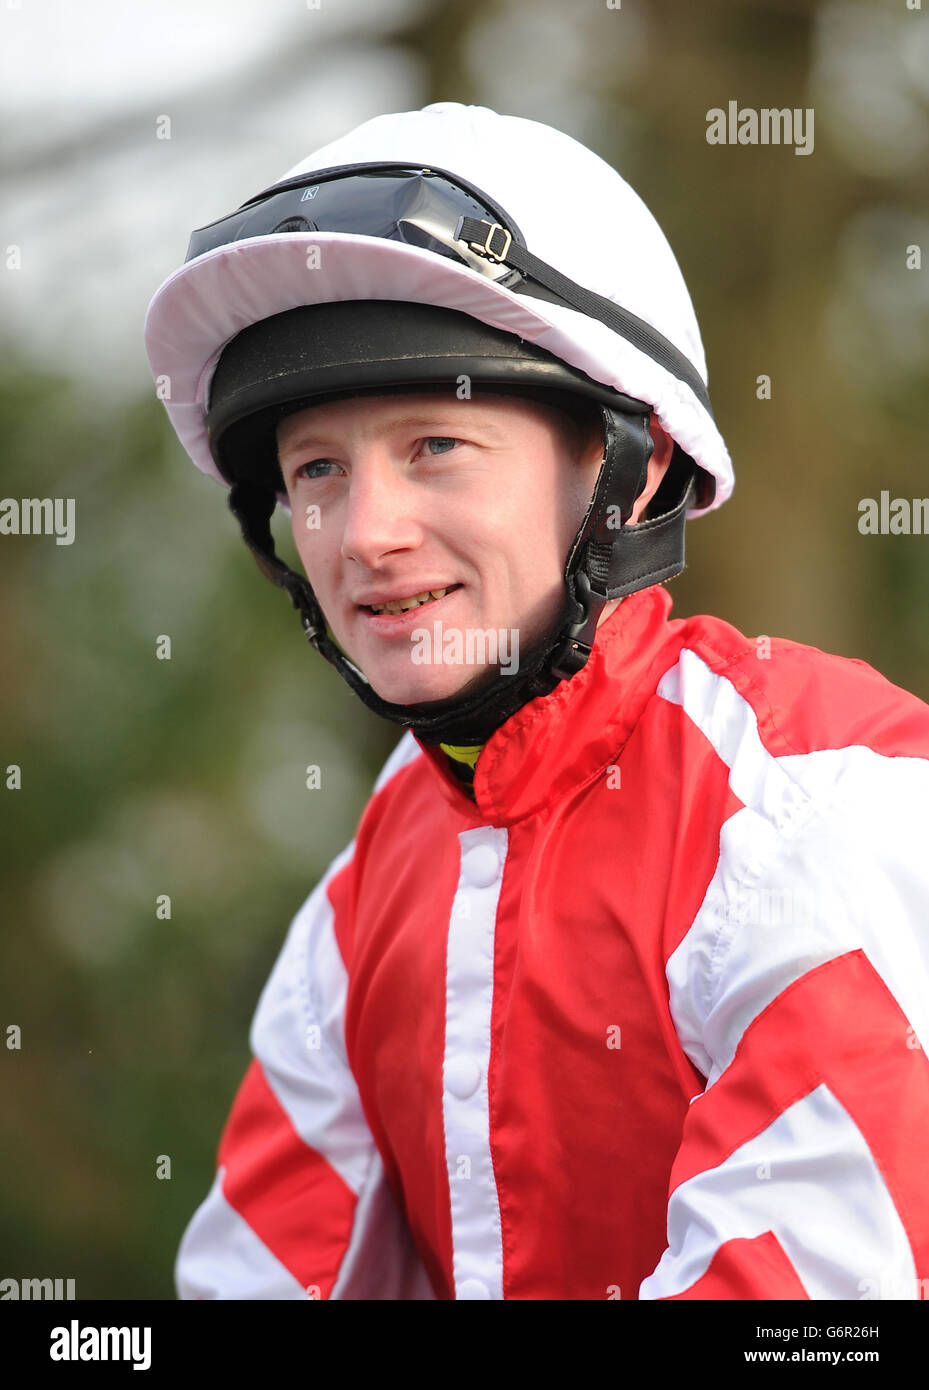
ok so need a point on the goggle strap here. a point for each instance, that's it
(494, 242)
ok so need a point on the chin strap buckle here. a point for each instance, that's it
(578, 641)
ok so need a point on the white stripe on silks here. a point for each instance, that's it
(836, 1222)
(477, 1243)
(885, 801)
(730, 724)
(406, 751)
(381, 1260)
(221, 1257)
(297, 1035)
(826, 856)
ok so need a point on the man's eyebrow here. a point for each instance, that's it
(320, 437)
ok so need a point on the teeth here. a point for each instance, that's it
(404, 604)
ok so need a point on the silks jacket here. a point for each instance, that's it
(647, 1018)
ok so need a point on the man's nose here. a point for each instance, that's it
(380, 512)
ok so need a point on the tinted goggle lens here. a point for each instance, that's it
(417, 206)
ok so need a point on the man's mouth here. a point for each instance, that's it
(403, 605)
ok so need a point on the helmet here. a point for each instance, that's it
(422, 249)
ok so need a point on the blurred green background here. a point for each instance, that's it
(186, 777)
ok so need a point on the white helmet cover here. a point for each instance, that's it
(575, 212)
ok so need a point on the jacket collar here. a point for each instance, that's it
(559, 741)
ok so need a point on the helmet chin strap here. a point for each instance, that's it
(608, 559)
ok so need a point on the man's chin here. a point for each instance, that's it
(421, 691)
(432, 699)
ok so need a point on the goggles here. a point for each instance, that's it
(439, 212)
(407, 203)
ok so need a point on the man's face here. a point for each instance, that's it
(394, 496)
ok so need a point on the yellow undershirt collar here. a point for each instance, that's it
(463, 753)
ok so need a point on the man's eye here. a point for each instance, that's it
(443, 441)
(310, 470)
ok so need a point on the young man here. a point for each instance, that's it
(419, 522)
(621, 988)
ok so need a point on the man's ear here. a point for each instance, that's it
(657, 468)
